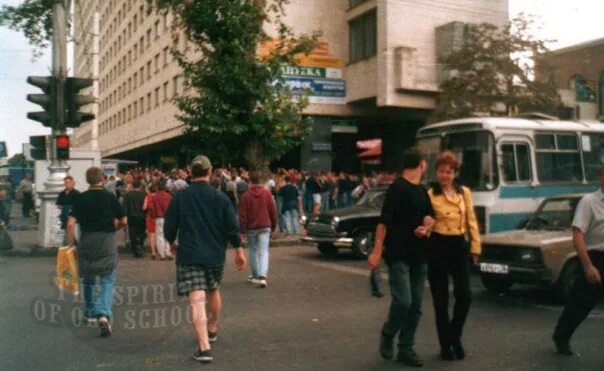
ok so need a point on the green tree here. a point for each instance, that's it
(33, 18)
(493, 73)
(241, 108)
(18, 160)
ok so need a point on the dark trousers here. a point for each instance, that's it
(449, 256)
(406, 290)
(136, 231)
(583, 298)
(26, 204)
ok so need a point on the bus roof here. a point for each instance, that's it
(512, 123)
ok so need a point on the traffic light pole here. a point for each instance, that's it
(50, 233)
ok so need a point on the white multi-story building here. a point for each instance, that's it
(375, 74)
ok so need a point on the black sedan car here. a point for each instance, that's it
(350, 228)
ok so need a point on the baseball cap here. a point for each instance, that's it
(202, 162)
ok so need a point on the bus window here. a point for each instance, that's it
(593, 155)
(478, 161)
(430, 146)
(516, 163)
(558, 160)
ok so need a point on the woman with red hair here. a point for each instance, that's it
(454, 239)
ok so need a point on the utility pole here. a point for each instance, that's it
(49, 232)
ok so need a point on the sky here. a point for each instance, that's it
(568, 22)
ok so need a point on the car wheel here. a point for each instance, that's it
(363, 244)
(495, 283)
(328, 249)
(567, 279)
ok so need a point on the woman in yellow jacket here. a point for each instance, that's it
(454, 239)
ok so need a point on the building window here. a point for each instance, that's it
(142, 75)
(165, 92)
(135, 22)
(156, 29)
(149, 70)
(148, 102)
(148, 38)
(134, 109)
(166, 53)
(175, 86)
(156, 97)
(363, 37)
(135, 80)
(141, 43)
(156, 62)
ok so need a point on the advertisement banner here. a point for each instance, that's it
(319, 90)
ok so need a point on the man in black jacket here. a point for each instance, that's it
(133, 206)
(205, 221)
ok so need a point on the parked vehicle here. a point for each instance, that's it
(350, 228)
(512, 164)
(541, 253)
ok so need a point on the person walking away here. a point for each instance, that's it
(133, 207)
(99, 214)
(257, 219)
(588, 237)
(149, 221)
(449, 254)
(26, 190)
(406, 220)
(291, 206)
(65, 202)
(205, 221)
(159, 205)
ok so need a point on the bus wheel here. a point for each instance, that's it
(495, 283)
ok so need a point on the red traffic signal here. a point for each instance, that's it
(62, 145)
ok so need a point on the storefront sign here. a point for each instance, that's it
(319, 90)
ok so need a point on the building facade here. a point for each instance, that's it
(577, 72)
(374, 75)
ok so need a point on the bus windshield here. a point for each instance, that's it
(476, 151)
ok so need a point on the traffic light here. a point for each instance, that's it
(73, 101)
(37, 150)
(48, 100)
(62, 144)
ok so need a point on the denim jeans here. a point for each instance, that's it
(98, 298)
(292, 225)
(406, 290)
(257, 241)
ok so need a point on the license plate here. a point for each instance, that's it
(494, 268)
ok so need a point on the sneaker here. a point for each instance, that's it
(262, 282)
(213, 337)
(409, 358)
(252, 280)
(105, 327)
(90, 320)
(203, 356)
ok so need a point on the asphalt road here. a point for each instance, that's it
(316, 314)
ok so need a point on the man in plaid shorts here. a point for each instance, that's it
(205, 221)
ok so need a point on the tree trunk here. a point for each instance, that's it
(255, 157)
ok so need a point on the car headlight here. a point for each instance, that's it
(303, 219)
(335, 221)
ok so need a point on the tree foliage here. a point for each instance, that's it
(493, 73)
(33, 18)
(18, 160)
(241, 108)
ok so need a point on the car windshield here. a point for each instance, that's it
(372, 199)
(554, 214)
